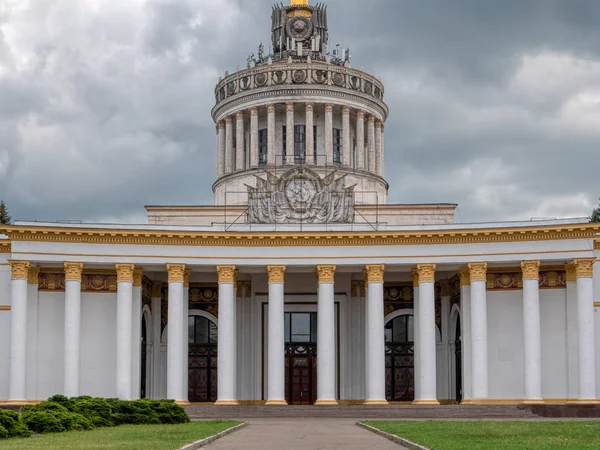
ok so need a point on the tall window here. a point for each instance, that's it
(201, 330)
(400, 330)
(299, 144)
(301, 328)
(337, 146)
(262, 147)
(315, 143)
(284, 140)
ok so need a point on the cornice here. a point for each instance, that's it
(297, 239)
(5, 246)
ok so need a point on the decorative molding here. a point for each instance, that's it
(176, 273)
(73, 271)
(375, 273)
(186, 278)
(415, 277)
(571, 273)
(553, 279)
(138, 277)
(19, 269)
(5, 308)
(276, 274)
(426, 273)
(399, 293)
(226, 274)
(531, 270)
(497, 281)
(51, 281)
(465, 277)
(444, 288)
(584, 267)
(33, 277)
(326, 273)
(5, 246)
(596, 245)
(125, 272)
(478, 271)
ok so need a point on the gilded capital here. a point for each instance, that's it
(157, 289)
(276, 274)
(176, 273)
(73, 271)
(125, 272)
(478, 271)
(20, 269)
(186, 278)
(584, 268)
(375, 273)
(465, 277)
(571, 273)
(138, 276)
(326, 273)
(444, 288)
(226, 274)
(415, 278)
(426, 273)
(531, 270)
(33, 276)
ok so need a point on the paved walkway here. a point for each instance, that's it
(303, 434)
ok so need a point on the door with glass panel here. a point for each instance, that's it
(202, 360)
(300, 358)
(400, 359)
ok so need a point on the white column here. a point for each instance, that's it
(185, 337)
(124, 335)
(382, 160)
(371, 144)
(156, 338)
(229, 158)
(18, 330)
(479, 355)
(416, 321)
(226, 338)
(329, 134)
(465, 317)
(446, 354)
(572, 334)
(426, 337)
(221, 149)
(271, 156)
(175, 334)
(379, 148)
(32, 333)
(375, 329)
(72, 337)
(289, 141)
(239, 141)
(532, 336)
(366, 334)
(136, 335)
(326, 357)
(276, 337)
(346, 155)
(310, 137)
(585, 327)
(360, 140)
(254, 138)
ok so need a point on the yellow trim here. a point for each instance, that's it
(251, 402)
(5, 308)
(597, 244)
(326, 403)
(226, 403)
(375, 402)
(425, 402)
(182, 402)
(596, 304)
(5, 246)
(276, 403)
(351, 402)
(20, 402)
(583, 402)
(301, 239)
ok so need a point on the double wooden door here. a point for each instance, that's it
(301, 374)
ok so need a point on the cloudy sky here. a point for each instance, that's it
(105, 105)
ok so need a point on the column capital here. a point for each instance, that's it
(584, 267)
(271, 108)
(415, 278)
(444, 288)
(326, 273)
(371, 119)
(346, 110)
(239, 115)
(228, 120)
(186, 278)
(138, 276)
(33, 276)
(379, 124)
(360, 114)
(157, 289)
(125, 272)
(478, 271)
(426, 273)
(571, 273)
(254, 111)
(328, 107)
(176, 273)
(289, 106)
(221, 124)
(309, 106)
(375, 273)
(19, 269)
(465, 277)
(226, 274)
(73, 271)
(531, 270)
(276, 274)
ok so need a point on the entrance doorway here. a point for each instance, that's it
(300, 358)
(144, 359)
(400, 359)
(202, 360)
(458, 361)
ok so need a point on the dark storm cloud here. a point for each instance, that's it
(105, 106)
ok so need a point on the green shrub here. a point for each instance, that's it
(10, 421)
(62, 400)
(67, 420)
(81, 423)
(169, 412)
(43, 422)
(135, 412)
(98, 410)
(3, 432)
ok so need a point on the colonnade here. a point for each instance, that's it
(369, 132)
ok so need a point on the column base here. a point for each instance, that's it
(326, 403)
(276, 403)
(425, 402)
(467, 401)
(376, 402)
(182, 402)
(226, 403)
(20, 402)
(534, 401)
(583, 401)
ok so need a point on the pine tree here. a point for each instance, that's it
(4, 217)
(596, 215)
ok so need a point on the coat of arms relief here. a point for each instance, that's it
(300, 195)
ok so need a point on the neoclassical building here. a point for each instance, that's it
(301, 284)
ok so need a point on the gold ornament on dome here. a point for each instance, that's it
(375, 273)
(19, 269)
(125, 272)
(326, 273)
(584, 267)
(138, 277)
(73, 271)
(478, 271)
(33, 277)
(571, 273)
(226, 274)
(531, 270)
(176, 273)
(426, 273)
(276, 274)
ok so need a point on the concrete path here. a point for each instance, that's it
(302, 434)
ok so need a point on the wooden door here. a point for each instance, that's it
(301, 381)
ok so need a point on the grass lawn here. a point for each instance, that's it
(442, 435)
(125, 437)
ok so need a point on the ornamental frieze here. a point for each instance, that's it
(513, 280)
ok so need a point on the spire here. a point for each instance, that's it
(299, 8)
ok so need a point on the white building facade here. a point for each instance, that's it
(301, 285)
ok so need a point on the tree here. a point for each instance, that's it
(596, 215)
(4, 217)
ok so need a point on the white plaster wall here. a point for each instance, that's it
(553, 304)
(50, 345)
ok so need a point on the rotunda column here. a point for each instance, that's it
(310, 137)
(220, 149)
(18, 330)
(326, 394)
(585, 325)
(226, 394)
(72, 338)
(254, 138)
(239, 141)
(532, 336)
(346, 155)
(379, 148)
(479, 350)
(289, 136)
(176, 274)
(371, 145)
(276, 336)
(376, 341)
(228, 145)
(329, 134)
(136, 330)
(271, 157)
(124, 334)
(360, 140)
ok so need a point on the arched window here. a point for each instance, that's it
(201, 330)
(202, 359)
(399, 359)
(400, 330)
